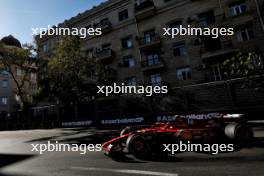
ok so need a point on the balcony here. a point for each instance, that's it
(145, 9)
(105, 55)
(211, 21)
(223, 48)
(149, 65)
(106, 26)
(162, 83)
(148, 43)
(242, 18)
(110, 74)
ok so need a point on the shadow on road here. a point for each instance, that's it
(7, 159)
(95, 136)
(3, 174)
(80, 136)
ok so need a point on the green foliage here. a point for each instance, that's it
(70, 76)
(243, 65)
(246, 65)
(13, 58)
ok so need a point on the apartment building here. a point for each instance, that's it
(135, 51)
(9, 100)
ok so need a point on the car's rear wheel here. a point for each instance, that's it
(138, 146)
(239, 133)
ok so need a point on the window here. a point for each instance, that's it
(3, 100)
(153, 59)
(127, 42)
(179, 49)
(128, 61)
(175, 24)
(155, 79)
(17, 98)
(90, 53)
(237, 9)
(123, 15)
(245, 34)
(4, 73)
(184, 73)
(206, 18)
(132, 81)
(33, 76)
(215, 72)
(104, 21)
(211, 44)
(4, 83)
(149, 36)
(45, 48)
(18, 71)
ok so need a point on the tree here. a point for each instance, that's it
(245, 65)
(71, 77)
(13, 58)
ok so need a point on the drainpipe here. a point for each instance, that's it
(259, 14)
(138, 34)
(220, 4)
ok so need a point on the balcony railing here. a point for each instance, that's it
(144, 5)
(105, 54)
(145, 43)
(225, 47)
(211, 21)
(152, 64)
(106, 26)
(144, 9)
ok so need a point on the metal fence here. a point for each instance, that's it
(242, 95)
(234, 94)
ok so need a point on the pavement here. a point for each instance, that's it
(17, 159)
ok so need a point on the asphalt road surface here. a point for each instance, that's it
(17, 159)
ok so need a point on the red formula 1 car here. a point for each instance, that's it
(143, 143)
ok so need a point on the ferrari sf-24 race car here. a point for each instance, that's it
(150, 141)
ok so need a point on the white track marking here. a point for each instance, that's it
(125, 171)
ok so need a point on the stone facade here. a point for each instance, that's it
(133, 45)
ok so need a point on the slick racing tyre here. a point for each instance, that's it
(239, 133)
(138, 146)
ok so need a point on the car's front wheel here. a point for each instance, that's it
(138, 146)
